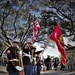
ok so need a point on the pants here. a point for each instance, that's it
(38, 69)
(28, 69)
(34, 70)
(48, 65)
(15, 73)
(71, 66)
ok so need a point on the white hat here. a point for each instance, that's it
(16, 40)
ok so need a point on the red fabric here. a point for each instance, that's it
(36, 28)
(57, 37)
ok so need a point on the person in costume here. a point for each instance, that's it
(12, 53)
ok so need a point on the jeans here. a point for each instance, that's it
(34, 70)
(38, 69)
(48, 65)
(28, 69)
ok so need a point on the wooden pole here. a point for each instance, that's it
(20, 63)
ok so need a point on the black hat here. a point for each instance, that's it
(38, 52)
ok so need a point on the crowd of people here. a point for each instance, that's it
(28, 62)
(55, 63)
(51, 63)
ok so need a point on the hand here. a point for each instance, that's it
(11, 60)
(18, 68)
(20, 52)
(17, 46)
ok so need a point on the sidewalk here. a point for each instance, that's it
(3, 69)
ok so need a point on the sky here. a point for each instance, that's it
(48, 51)
(53, 51)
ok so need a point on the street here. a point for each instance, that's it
(3, 73)
(58, 73)
(50, 73)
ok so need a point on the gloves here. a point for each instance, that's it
(18, 68)
(17, 47)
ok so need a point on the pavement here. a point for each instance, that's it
(3, 69)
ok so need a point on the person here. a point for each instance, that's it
(71, 61)
(62, 66)
(38, 63)
(74, 63)
(27, 59)
(56, 62)
(12, 53)
(34, 61)
(1, 61)
(48, 62)
(67, 64)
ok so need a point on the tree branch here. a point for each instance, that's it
(27, 29)
(16, 20)
(72, 26)
(3, 31)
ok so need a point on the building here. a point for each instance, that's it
(70, 50)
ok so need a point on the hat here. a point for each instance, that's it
(28, 42)
(38, 52)
(16, 41)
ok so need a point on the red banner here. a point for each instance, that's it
(58, 38)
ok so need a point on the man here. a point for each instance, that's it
(12, 54)
(38, 64)
(27, 58)
(71, 62)
(48, 62)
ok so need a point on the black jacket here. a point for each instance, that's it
(26, 59)
(11, 54)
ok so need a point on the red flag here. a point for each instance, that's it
(58, 38)
(36, 28)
